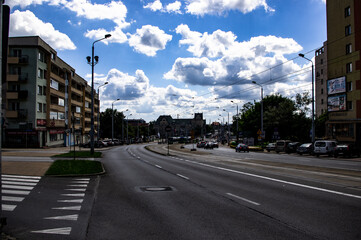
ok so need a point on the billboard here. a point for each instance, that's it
(336, 103)
(336, 85)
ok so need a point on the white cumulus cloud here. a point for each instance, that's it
(149, 39)
(27, 24)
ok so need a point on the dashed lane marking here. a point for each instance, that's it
(61, 231)
(243, 199)
(73, 208)
(71, 201)
(73, 217)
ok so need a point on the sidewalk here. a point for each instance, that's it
(29, 168)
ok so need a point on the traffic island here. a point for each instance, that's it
(75, 168)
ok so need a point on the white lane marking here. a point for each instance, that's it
(12, 199)
(15, 192)
(73, 217)
(20, 179)
(18, 183)
(20, 176)
(243, 199)
(77, 189)
(158, 166)
(80, 182)
(7, 207)
(62, 231)
(276, 180)
(74, 194)
(73, 208)
(82, 179)
(17, 187)
(71, 201)
(179, 175)
(77, 185)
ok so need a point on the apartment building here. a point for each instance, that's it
(45, 103)
(343, 70)
(321, 80)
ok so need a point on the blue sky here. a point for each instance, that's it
(178, 57)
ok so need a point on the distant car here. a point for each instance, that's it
(97, 144)
(242, 147)
(306, 148)
(215, 144)
(233, 144)
(346, 150)
(325, 147)
(208, 145)
(281, 145)
(271, 147)
(292, 147)
(109, 142)
(201, 144)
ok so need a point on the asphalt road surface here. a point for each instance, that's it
(149, 196)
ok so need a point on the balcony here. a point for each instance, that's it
(79, 92)
(23, 59)
(57, 93)
(23, 78)
(21, 95)
(20, 114)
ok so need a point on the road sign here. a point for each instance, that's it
(259, 132)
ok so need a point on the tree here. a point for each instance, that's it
(106, 123)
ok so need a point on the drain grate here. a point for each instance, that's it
(156, 189)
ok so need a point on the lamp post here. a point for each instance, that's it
(229, 137)
(98, 134)
(254, 82)
(127, 128)
(313, 98)
(236, 120)
(113, 118)
(92, 64)
(123, 125)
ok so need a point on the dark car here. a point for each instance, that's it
(97, 144)
(346, 150)
(208, 145)
(201, 144)
(306, 148)
(271, 147)
(242, 147)
(292, 147)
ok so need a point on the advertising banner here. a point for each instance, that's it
(336, 85)
(336, 103)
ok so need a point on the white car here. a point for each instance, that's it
(324, 147)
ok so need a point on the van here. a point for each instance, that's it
(324, 147)
(281, 145)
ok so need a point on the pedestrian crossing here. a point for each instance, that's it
(15, 188)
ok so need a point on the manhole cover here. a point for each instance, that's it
(156, 189)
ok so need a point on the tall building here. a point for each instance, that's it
(343, 70)
(321, 80)
(45, 103)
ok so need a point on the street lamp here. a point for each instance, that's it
(127, 127)
(98, 134)
(113, 118)
(123, 124)
(313, 98)
(228, 126)
(254, 82)
(236, 120)
(92, 64)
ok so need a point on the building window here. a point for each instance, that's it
(87, 104)
(321, 81)
(61, 116)
(53, 115)
(347, 11)
(54, 84)
(348, 48)
(40, 73)
(321, 60)
(348, 67)
(40, 90)
(61, 102)
(44, 107)
(322, 101)
(41, 57)
(348, 30)
(349, 105)
(40, 107)
(53, 137)
(321, 71)
(44, 90)
(321, 90)
(77, 109)
(53, 56)
(349, 86)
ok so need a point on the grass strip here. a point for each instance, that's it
(74, 167)
(80, 154)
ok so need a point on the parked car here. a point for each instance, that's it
(233, 144)
(281, 145)
(97, 144)
(201, 144)
(346, 150)
(215, 144)
(306, 148)
(324, 147)
(109, 142)
(292, 147)
(271, 147)
(242, 147)
(208, 145)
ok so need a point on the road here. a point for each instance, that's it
(149, 196)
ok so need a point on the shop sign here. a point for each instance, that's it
(41, 122)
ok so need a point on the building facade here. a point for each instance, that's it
(343, 70)
(45, 103)
(194, 127)
(321, 80)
